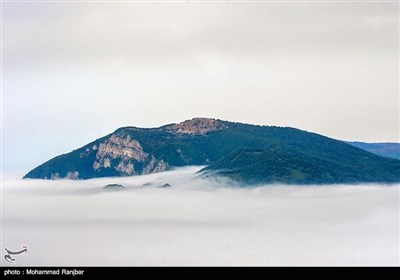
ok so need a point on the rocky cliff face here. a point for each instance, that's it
(122, 149)
(125, 154)
(122, 153)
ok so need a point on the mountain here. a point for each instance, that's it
(390, 150)
(249, 154)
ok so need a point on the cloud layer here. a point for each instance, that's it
(199, 222)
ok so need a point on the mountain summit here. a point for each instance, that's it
(197, 126)
(249, 154)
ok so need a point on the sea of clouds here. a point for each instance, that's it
(198, 221)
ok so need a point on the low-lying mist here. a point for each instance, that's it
(198, 221)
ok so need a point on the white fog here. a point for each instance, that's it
(198, 222)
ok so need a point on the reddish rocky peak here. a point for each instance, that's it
(197, 126)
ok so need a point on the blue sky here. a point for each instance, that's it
(73, 72)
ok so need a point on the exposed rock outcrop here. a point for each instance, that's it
(197, 126)
(126, 156)
(72, 175)
(118, 147)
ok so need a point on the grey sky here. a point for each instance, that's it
(73, 72)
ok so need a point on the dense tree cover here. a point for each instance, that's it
(246, 153)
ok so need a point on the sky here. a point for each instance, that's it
(73, 72)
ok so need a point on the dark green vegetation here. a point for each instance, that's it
(248, 154)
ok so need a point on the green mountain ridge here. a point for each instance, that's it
(248, 154)
(391, 150)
